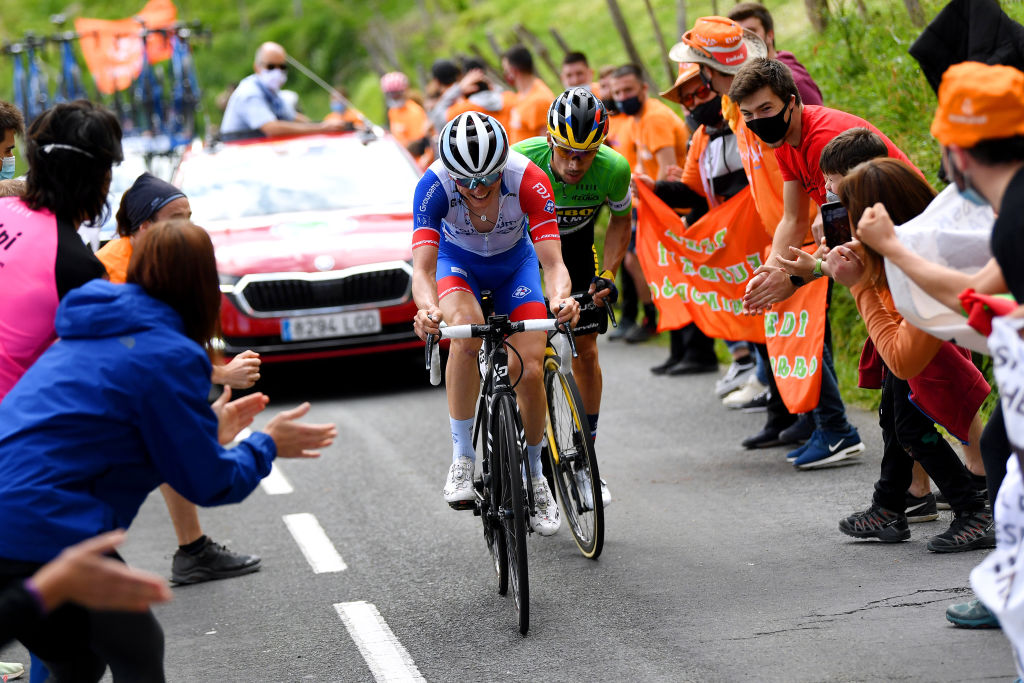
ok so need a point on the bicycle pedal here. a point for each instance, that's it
(462, 505)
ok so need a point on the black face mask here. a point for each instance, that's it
(610, 106)
(630, 105)
(771, 129)
(708, 113)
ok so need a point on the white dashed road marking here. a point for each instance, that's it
(313, 542)
(386, 657)
(275, 483)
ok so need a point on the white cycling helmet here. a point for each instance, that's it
(473, 145)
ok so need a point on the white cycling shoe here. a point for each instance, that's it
(458, 486)
(546, 521)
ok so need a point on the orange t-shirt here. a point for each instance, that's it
(529, 115)
(619, 139)
(115, 255)
(655, 128)
(691, 169)
(408, 123)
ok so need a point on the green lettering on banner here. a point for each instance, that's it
(707, 273)
(663, 256)
(683, 291)
(771, 320)
(720, 238)
(754, 261)
(738, 272)
(674, 237)
(800, 367)
(788, 324)
(667, 288)
(782, 369)
(687, 266)
(812, 366)
(723, 275)
(692, 245)
(774, 363)
(805, 317)
(736, 306)
(707, 246)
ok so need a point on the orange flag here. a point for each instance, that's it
(699, 273)
(113, 49)
(795, 335)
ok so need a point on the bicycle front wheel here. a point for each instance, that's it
(573, 463)
(506, 429)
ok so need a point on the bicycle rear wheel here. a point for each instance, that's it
(506, 429)
(489, 488)
(573, 463)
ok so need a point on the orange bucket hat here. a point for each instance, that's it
(686, 72)
(979, 102)
(720, 43)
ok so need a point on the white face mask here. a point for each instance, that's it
(272, 78)
(7, 171)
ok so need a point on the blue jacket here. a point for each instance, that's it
(117, 406)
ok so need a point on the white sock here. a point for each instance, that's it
(533, 453)
(462, 439)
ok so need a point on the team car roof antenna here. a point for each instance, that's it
(367, 124)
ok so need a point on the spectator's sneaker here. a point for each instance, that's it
(758, 404)
(971, 614)
(969, 531)
(766, 438)
(546, 521)
(980, 485)
(11, 670)
(795, 454)
(751, 389)
(734, 378)
(625, 325)
(877, 522)
(642, 332)
(800, 431)
(923, 509)
(827, 448)
(458, 486)
(214, 561)
(662, 368)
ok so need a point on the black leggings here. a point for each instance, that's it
(77, 644)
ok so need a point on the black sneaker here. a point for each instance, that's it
(923, 509)
(980, 485)
(758, 404)
(625, 325)
(877, 522)
(800, 431)
(969, 531)
(214, 561)
(663, 367)
(642, 332)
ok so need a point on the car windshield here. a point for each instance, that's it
(299, 174)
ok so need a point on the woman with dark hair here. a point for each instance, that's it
(114, 408)
(70, 149)
(198, 558)
(924, 380)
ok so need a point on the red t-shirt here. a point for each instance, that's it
(819, 125)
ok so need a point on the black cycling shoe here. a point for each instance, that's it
(213, 561)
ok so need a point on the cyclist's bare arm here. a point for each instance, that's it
(556, 281)
(616, 241)
(424, 290)
(275, 128)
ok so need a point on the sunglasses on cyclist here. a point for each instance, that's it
(690, 100)
(566, 153)
(282, 67)
(471, 183)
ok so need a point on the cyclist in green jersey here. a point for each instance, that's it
(585, 175)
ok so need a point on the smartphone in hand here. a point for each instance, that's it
(835, 224)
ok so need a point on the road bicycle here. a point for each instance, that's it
(570, 448)
(68, 86)
(185, 95)
(502, 501)
(36, 94)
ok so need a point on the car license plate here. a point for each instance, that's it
(336, 325)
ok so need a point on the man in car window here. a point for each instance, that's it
(256, 108)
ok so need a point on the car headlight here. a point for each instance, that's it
(228, 282)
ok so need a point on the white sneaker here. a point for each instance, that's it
(546, 521)
(458, 487)
(11, 670)
(734, 378)
(744, 394)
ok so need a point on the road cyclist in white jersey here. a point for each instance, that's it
(485, 220)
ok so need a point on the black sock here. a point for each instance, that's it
(195, 546)
(745, 360)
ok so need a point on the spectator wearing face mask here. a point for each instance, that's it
(256, 107)
(477, 92)
(407, 120)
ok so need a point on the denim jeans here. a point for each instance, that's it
(830, 415)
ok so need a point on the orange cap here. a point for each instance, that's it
(979, 102)
(720, 43)
(686, 72)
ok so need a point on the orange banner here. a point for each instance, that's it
(794, 331)
(700, 272)
(113, 49)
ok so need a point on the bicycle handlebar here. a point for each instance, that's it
(433, 356)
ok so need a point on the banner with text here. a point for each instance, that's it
(700, 272)
(113, 49)
(794, 332)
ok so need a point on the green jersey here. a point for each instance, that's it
(607, 182)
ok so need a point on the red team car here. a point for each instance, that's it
(313, 239)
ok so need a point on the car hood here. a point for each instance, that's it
(310, 242)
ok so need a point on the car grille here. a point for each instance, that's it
(269, 296)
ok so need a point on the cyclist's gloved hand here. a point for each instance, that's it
(605, 282)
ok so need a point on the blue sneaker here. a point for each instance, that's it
(827, 448)
(971, 614)
(795, 454)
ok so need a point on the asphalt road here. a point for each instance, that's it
(719, 564)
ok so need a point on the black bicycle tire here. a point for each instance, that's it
(494, 533)
(507, 430)
(561, 393)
